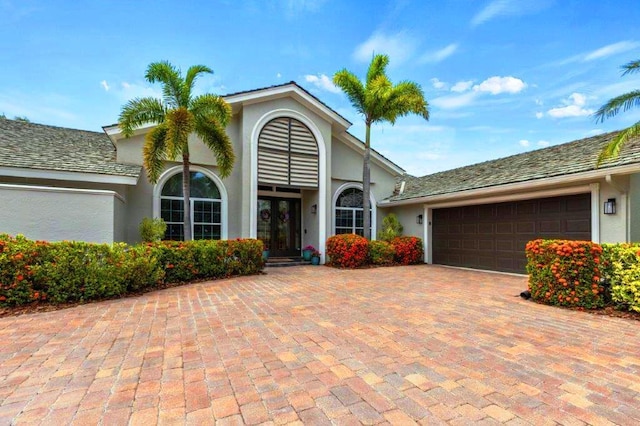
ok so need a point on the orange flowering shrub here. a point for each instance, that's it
(565, 273)
(409, 250)
(347, 250)
(68, 271)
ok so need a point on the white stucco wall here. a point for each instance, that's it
(613, 228)
(634, 207)
(54, 214)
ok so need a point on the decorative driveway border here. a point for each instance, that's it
(316, 345)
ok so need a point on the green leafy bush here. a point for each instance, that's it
(408, 250)
(381, 253)
(391, 228)
(60, 272)
(152, 230)
(347, 250)
(565, 273)
(622, 268)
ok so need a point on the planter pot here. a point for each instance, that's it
(315, 260)
(306, 254)
(265, 255)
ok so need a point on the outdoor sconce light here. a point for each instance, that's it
(419, 219)
(314, 209)
(610, 206)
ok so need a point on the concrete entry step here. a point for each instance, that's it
(279, 262)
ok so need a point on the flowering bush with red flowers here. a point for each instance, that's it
(566, 273)
(408, 250)
(347, 250)
(18, 257)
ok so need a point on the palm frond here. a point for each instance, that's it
(215, 137)
(140, 111)
(406, 98)
(376, 98)
(208, 105)
(154, 151)
(180, 124)
(192, 75)
(612, 150)
(613, 106)
(631, 67)
(171, 79)
(352, 87)
(377, 68)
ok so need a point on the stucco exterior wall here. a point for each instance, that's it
(407, 216)
(634, 207)
(613, 228)
(54, 214)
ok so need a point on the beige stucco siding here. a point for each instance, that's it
(54, 214)
(407, 215)
(634, 207)
(613, 228)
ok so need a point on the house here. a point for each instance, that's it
(298, 180)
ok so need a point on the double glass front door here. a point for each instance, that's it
(279, 225)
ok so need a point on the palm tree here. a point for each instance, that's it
(623, 102)
(378, 100)
(177, 115)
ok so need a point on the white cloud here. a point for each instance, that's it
(539, 114)
(278, 75)
(104, 85)
(437, 84)
(439, 55)
(573, 107)
(523, 142)
(539, 102)
(496, 85)
(455, 101)
(611, 49)
(399, 47)
(462, 86)
(543, 144)
(322, 81)
(498, 8)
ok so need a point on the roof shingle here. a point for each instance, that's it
(38, 146)
(565, 159)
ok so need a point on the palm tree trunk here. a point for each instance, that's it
(366, 184)
(186, 192)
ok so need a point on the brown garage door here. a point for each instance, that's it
(493, 236)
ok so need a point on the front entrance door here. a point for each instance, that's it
(279, 225)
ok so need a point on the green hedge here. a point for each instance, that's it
(622, 269)
(32, 271)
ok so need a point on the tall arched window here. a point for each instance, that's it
(348, 212)
(206, 208)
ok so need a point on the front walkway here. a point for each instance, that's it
(320, 345)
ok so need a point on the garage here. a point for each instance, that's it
(493, 236)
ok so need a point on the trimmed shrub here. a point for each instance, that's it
(152, 229)
(347, 250)
(381, 253)
(18, 257)
(60, 272)
(391, 228)
(408, 250)
(622, 268)
(565, 273)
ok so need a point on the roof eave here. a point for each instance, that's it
(530, 185)
(24, 172)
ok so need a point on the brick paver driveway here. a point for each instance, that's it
(318, 345)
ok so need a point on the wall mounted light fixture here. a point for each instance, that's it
(610, 206)
(314, 209)
(419, 219)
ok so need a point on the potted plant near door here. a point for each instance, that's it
(265, 253)
(315, 257)
(307, 252)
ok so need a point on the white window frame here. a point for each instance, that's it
(373, 207)
(157, 196)
(192, 201)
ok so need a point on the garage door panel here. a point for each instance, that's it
(493, 236)
(578, 225)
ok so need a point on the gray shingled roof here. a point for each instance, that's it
(566, 159)
(37, 146)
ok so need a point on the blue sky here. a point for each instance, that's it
(501, 76)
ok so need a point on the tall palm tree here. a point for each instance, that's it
(623, 102)
(177, 115)
(378, 100)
